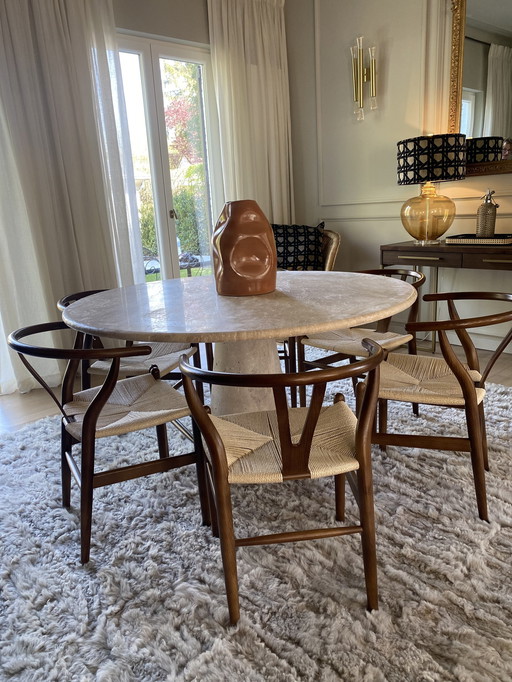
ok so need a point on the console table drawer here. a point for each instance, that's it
(487, 261)
(433, 259)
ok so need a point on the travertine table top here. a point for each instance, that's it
(189, 309)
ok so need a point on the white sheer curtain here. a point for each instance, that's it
(64, 224)
(250, 70)
(498, 98)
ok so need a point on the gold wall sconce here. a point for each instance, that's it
(362, 74)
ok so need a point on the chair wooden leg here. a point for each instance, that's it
(284, 356)
(196, 360)
(300, 354)
(202, 484)
(483, 429)
(213, 515)
(86, 495)
(382, 419)
(228, 549)
(339, 496)
(209, 355)
(212, 506)
(351, 360)
(203, 493)
(65, 447)
(477, 458)
(301, 367)
(360, 389)
(292, 362)
(84, 364)
(367, 515)
(163, 441)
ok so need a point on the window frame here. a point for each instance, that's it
(150, 51)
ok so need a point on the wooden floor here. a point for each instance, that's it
(17, 409)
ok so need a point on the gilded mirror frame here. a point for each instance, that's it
(456, 64)
(455, 98)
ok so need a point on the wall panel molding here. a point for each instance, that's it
(356, 160)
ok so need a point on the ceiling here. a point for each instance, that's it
(490, 15)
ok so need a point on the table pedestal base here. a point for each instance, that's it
(244, 357)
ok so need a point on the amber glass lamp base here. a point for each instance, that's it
(428, 216)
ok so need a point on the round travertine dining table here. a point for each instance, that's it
(243, 328)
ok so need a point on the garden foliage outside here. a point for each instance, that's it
(187, 163)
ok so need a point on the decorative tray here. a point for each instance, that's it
(497, 239)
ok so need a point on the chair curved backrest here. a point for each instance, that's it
(295, 450)
(63, 302)
(330, 247)
(461, 325)
(412, 277)
(305, 247)
(74, 356)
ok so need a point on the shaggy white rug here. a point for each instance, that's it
(151, 605)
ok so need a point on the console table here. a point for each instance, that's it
(444, 255)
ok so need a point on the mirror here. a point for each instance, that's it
(475, 24)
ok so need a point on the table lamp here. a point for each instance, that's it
(427, 160)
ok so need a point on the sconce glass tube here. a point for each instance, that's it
(361, 75)
(373, 78)
(358, 110)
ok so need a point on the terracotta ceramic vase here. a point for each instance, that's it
(244, 251)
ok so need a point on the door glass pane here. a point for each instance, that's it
(186, 145)
(138, 130)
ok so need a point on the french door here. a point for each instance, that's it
(174, 153)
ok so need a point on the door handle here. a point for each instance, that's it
(418, 258)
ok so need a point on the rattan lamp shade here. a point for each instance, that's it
(426, 160)
(484, 149)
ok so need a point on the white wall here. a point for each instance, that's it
(179, 19)
(344, 170)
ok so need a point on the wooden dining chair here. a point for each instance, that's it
(305, 247)
(346, 343)
(165, 356)
(289, 444)
(324, 246)
(447, 382)
(330, 247)
(114, 408)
